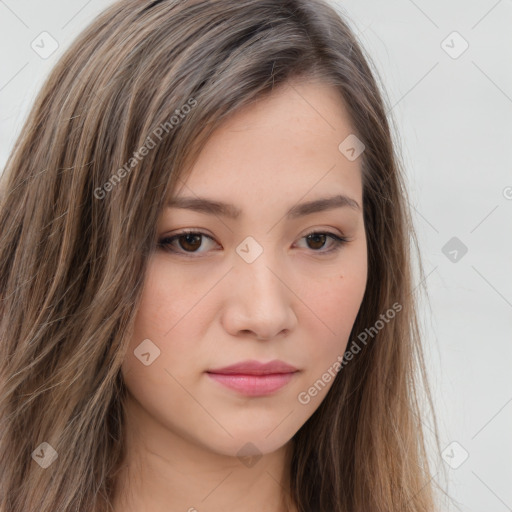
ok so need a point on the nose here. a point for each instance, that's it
(260, 302)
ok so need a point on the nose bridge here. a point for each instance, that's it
(260, 301)
(257, 274)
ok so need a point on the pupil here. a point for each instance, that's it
(189, 237)
(317, 236)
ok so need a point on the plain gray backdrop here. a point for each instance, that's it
(447, 73)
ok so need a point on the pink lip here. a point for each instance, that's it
(253, 378)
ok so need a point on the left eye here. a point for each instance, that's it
(190, 241)
(318, 238)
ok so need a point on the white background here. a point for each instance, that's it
(454, 120)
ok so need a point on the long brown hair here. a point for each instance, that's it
(78, 212)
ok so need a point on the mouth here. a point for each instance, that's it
(253, 378)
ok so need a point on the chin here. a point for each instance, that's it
(246, 444)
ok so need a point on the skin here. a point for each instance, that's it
(213, 308)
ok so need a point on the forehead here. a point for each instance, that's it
(280, 147)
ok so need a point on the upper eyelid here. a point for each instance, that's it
(189, 231)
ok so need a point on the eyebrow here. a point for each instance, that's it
(210, 206)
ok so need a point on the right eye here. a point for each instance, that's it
(188, 242)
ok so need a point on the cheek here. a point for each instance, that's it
(335, 306)
(172, 315)
(158, 315)
(336, 296)
(335, 302)
(166, 299)
(335, 309)
(162, 319)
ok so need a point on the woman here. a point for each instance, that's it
(207, 292)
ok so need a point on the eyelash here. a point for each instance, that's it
(165, 243)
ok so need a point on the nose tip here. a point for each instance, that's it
(259, 303)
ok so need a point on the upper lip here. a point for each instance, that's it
(253, 367)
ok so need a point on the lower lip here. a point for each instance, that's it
(253, 385)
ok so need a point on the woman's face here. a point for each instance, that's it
(253, 287)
